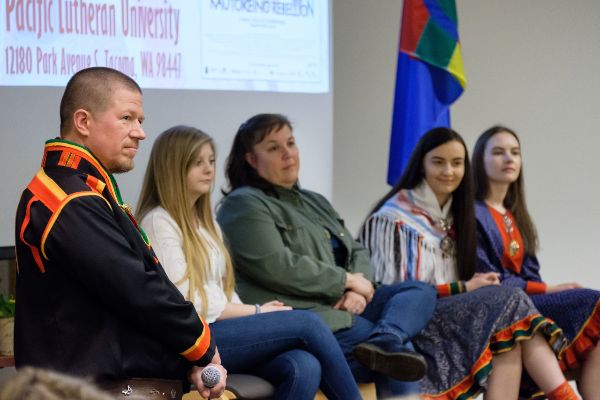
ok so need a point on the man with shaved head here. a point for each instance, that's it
(93, 299)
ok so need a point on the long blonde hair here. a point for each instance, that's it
(165, 185)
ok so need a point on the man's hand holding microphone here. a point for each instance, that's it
(210, 381)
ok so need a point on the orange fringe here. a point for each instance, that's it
(586, 340)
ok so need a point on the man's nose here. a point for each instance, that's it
(138, 132)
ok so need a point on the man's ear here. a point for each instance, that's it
(251, 159)
(81, 121)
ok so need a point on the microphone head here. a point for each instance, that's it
(210, 376)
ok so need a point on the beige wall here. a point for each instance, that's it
(365, 42)
(532, 65)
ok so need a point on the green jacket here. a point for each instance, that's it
(281, 249)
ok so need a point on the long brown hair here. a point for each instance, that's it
(462, 198)
(165, 185)
(514, 201)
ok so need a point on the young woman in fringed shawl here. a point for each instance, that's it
(507, 245)
(482, 334)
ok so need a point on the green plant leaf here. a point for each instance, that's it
(7, 307)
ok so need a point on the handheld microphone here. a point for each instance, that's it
(210, 376)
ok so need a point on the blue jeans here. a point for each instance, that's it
(401, 310)
(294, 350)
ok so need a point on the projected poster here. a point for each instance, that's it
(277, 45)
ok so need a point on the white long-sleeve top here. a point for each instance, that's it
(167, 241)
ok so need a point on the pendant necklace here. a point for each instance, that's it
(447, 243)
(513, 245)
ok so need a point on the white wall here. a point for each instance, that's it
(365, 43)
(532, 65)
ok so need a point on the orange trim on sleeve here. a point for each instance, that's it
(46, 190)
(450, 289)
(532, 287)
(199, 348)
(34, 251)
(444, 290)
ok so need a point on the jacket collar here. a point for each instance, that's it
(64, 153)
(283, 192)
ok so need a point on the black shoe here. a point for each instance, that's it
(403, 365)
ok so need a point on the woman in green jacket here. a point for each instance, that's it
(289, 243)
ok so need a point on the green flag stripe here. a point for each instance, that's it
(435, 46)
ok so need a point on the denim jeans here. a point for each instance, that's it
(294, 350)
(401, 310)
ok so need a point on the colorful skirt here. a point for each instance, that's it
(467, 329)
(577, 312)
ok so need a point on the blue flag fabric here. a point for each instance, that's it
(429, 78)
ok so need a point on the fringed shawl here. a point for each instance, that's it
(404, 239)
